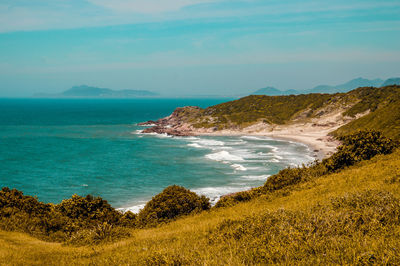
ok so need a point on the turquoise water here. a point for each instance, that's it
(56, 148)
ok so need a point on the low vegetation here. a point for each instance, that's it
(91, 220)
(384, 115)
(171, 203)
(269, 109)
(78, 220)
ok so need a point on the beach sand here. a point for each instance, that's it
(313, 133)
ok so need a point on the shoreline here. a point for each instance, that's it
(302, 140)
(320, 142)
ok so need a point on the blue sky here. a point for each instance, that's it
(192, 47)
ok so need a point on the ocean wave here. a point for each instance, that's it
(195, 145)
(254, 138)
(223, 156)
(134, 209)
(190, 138)
(209, 142)
(238, 167)
(215, 193)
(256, 177)
(158, 135)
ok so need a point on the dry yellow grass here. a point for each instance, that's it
(186, 240)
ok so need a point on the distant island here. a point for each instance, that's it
(346, 87)
(85, 91)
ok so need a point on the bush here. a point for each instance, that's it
(89, 210)
(76, 220)
(172, 202)
(359, 146)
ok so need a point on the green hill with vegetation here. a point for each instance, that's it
(381, 103)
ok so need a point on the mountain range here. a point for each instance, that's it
(85, 91)
(346, 87)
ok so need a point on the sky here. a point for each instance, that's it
(194, 47)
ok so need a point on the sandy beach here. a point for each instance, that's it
(318, 140)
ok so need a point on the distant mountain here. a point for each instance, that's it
(271, 91)
(85, 91)
(268, 91)
(391, 81)
(346, 87)
(357, 83)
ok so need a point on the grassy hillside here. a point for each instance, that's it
(285, 109)
(348, 216)
(384, 116)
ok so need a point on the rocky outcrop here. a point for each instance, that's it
(177, 124)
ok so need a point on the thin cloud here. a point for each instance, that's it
(147, 6)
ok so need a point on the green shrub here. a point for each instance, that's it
(359, 146)
(230, 200)
(75, 220)
(172, 202)
(88, 210)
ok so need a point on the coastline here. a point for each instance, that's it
(262, 137)
(314, 132)
(320, 142)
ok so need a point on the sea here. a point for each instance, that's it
(54, 148)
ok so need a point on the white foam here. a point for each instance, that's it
(254, 138)
(190, 138)
(210, 142)
(215, 193)
(134, 209)
(195, 145)
(256, 177)
(238, 167)
(158, 135)
(223, 156)
(278, 157)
